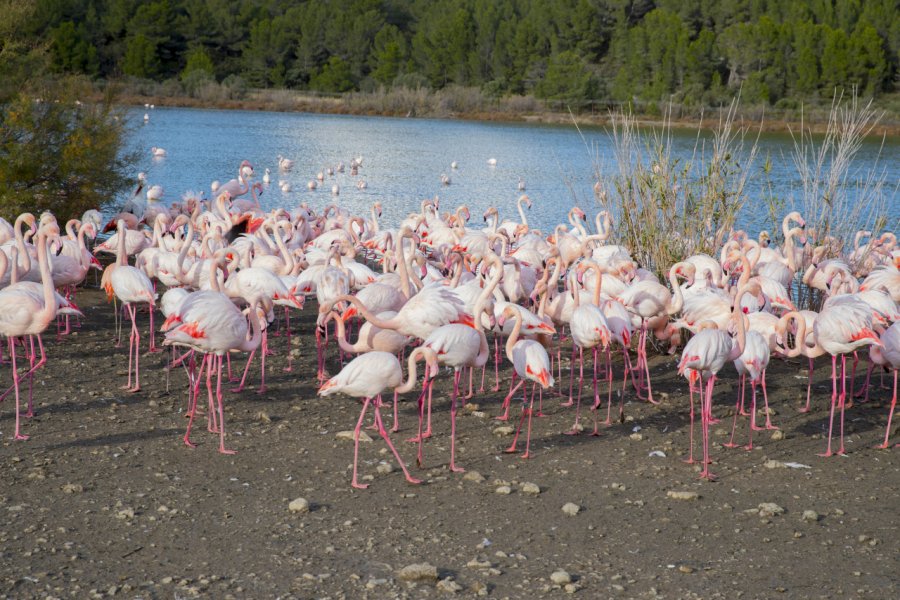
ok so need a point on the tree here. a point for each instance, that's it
(567, 78)
(72, 51)
(389, 54)
(140, 58)
(335, 76)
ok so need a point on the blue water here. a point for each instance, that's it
(403, 160)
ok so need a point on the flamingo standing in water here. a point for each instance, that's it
(22, 314)
(130, 285)
(531, 362)
(366, 376)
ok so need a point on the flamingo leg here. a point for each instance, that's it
(834, 395)
(359, 423)
(571, 401)
(12, 354)
(512, 447)
(529, 411)
(766, 403)
(496, 387)
(690, 458)
(705, 412)
(262, 361)
(246, 370)
(387, 439)
(574, 430)
(737, 411)
(222, 448)
(153, 346)
(287, 333)
(753, 426)
(396, 425)
(508, 399)
(843, 398)
(456, 375)
(192, 402)
(887, 430)
(812, 365)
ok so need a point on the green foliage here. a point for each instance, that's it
(335, 76)
(59, 156)
(695, 52)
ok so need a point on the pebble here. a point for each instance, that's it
(560, 577)
(348, 436)
(385, 468)
(810, 516)
(503, 490)
(480, 588)
(503, 430)
(571, 509)
(636, 437)
(479, 564)
(686, 569)
(531, 489)
(448, 585)
(418, 572)
(473, 476)
(571, 588)
(774, 464)
(72, 488)
(300, 505)
(777, 435)
(679, 495)
(263, 417)
(769, 509)
(127, 513)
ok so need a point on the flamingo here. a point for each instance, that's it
(888, 356)
(752, 363)
(366, 376)
(157, 152)
(130, 285)
(22, 314)
(530, 362)
(704, 356)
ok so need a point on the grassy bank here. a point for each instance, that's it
(471, 103)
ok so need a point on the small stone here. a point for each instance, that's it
(126, 513)
(571, 509)
(770, 509)
(571, 588)
(348, 436)
(774, 464)
(636, 437)
(385, 468)
(166, 580)
(479, 414)
(480, 588)
(479, 564)
(162, 509)
(685, 569)
(503, 490)
(473, 476)
(531, 489)
(299, 505)
(263, 417)
(777, 435)
(471, 407)
(560, 577)
(680, 495)
(503, 430)
(418, 572)
(72, 488)
(810, 516)
(448, 585)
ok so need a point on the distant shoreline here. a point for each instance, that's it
(815, 120)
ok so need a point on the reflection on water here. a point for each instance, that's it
(403, 161)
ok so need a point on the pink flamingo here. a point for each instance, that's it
(214, 333)
(752, 362)
(888, 356)
(458, 346)
(131, 285)
(366, 376)
(22, 314)
(704, 356)
(531, 362)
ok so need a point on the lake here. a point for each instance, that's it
(403, 160)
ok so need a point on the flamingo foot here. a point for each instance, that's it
(688, 461)
(262, 390)
(28, 414)
(413, 480)
(224, 450)
(539, 414)
(416, 439)
(455, 469)
(359, 486)
(803, 410)
(728, 445)
(527, 455)
(749, 447)
(825, 454)
(496, 388)
(568, 402)
(757, 428)
(770, 426)
(573, 431)
(708, 475)
(21, 437)
(503, 417)
(511, 450)
(189, 443)
(154, 350)
(288, 369)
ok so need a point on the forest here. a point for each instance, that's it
(695, 52)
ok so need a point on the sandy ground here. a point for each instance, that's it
(106, 500)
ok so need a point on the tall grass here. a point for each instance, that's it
(837, 197)
(666, 209)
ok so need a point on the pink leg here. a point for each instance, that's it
(262, 361)
(528, 411)
(222, 448)
(246, 370)
(834, 395)
(574, 430)
(737, 411)
(864, 392)
(12, 354)
(153, 346)
(496, 387)
(843, 399)
(887, 430)
(287, 333)
(766, 402)
(387, 439)
(396, 426)
(690, 458)
(753, 426)
(571, 400)
(705, 411)
(456, 375)
(192, 402)
(359, 423)
(512, 447)
(812, 365)
(508, 399)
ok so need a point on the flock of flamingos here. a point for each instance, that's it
(445, 293)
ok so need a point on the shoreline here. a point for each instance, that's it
(815, 121)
